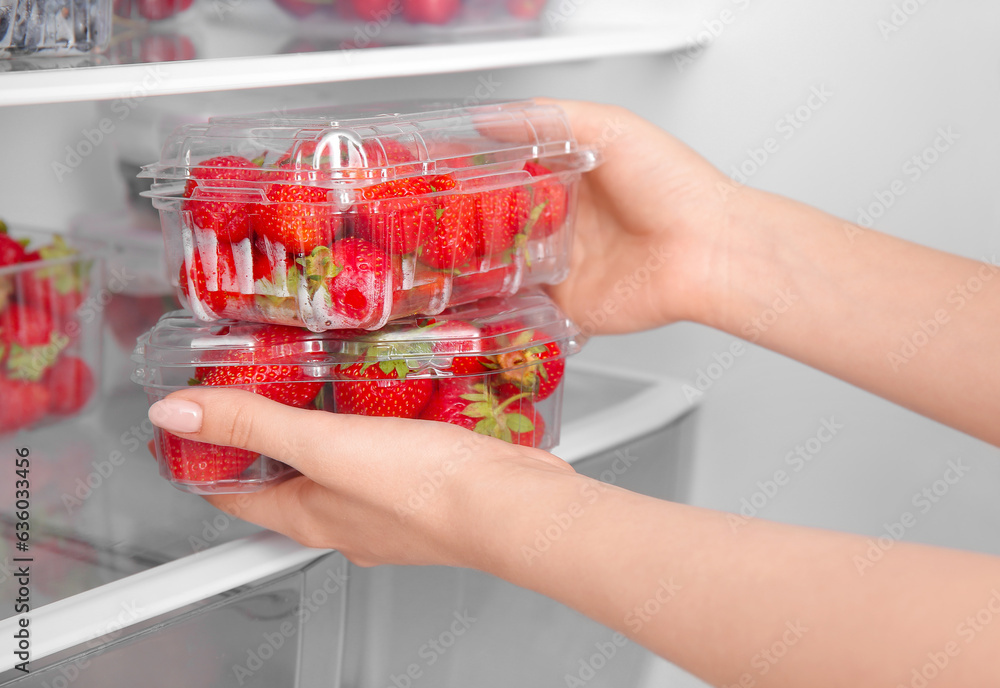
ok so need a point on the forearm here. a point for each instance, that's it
(736, 600)
(911, 324)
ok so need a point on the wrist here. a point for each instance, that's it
(504, 505)
(752, 263)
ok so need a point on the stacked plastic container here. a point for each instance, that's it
(380, 262)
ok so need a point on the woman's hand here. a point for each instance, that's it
(651, 228)
(379, 490)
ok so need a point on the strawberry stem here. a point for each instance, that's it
(511, 400)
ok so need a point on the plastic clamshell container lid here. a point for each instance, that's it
(164, 356)
(347, 149)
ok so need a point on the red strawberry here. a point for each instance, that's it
(25, 326)
(267, 371)
(548, 203)
(534, 365)
(11, 251)
(525, 9)
(496, 281)
(373, 10)
(301, 155)
(449, 405)
(189, 461)
(431, 11)
(281, 382)
(298, 8)
(428, 289)
(166, 48)
(381, 388)
(296, 215)
(456, 232)
(161, 9)
(57, 289)
(460, 340)
(29, 344)
(470, 403)
(358, 279)
(213, 196)
(396, 216)
(387, 152)
(443, 182)
(71, 384)
(504, 213)
(215, 287)
(22, 403)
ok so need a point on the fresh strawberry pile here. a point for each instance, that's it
(435, 12)
(490, 383)
(271, 242)
(41, 373)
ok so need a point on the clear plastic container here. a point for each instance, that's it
(495, 367)
(50, 325)
(350, 219)
(54, 27)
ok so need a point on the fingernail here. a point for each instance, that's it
(176, 415)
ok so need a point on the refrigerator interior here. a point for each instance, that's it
(858, 100)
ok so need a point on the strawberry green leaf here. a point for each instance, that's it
(519, 423)
(65, 277)
(511, 400)
(57, 249)
(32, 362)
(523, 338)
(487, 426)
(479, 409)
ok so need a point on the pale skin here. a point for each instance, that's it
(729, 253)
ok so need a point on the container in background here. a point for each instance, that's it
(53, 27)
(50, 323)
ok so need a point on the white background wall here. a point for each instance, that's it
(890, 95)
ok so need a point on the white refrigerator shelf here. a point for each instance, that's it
(234, 69)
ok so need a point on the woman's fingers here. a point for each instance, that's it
(324, 446)
(238, 418)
